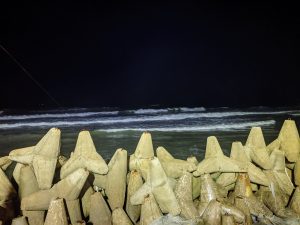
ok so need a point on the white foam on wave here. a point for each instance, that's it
(182, 116)
(55, 115)
(180, 109)
(296, 114)
(67, 123)
(225, 127)
(196, 109)
(150, 111)
(131, 119)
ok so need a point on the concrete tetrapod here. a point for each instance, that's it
(289, 140)
(68, 188)
(212, 213)
(57, 213)
(162, 190)
(74, 211)
(174, 167)
(280, 172)
(17, 171)
(119, 217)
(226, 180)
(134, 183)
(213, 204)
(116, 179)
(84, 156)
(228, 220)
(27, 182)
(256, 149)
(248, 201)
(297, 173)
(7, 190)
(195, 180)
(149, 210)
(137, 198)
(295, 201)
(86, 198)
(100, 181)
(99, 211)
(256, 175)
(184, 195)
(274, 197)
(28, 185)
(43, 157)
(144, 153)
(209, 190)
(216, 161)
(19, 221)
(157, 184)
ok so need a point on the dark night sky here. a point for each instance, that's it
(138, 54)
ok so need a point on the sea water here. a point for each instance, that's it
(182, 131)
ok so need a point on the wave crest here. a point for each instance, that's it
(225, 127)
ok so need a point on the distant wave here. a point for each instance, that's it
(232, 126)
(296, 114)
(196, 109)
(55, 115)
(105, 121)
(128, 119)
(166, 110)
(182, 116)
(150, 111)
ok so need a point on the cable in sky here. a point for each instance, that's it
(29, 75)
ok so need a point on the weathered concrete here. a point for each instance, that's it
(184, 195)
(7, 190)
(216, 161)
(116, 179)
(68, 188)
(256, 148)
(162, 190)
(57, 213)
(174, 167)
(99, 212)
(19, 221)
(134, 183)
(43, 157)
(140, 159)
(27, 186)
(149, 211)
(119, 217)
(256, 175)
(289, 140)
(84, 156)
(74, 211)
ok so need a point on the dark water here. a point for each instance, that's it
(183, 131)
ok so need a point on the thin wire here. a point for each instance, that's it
(29, 75)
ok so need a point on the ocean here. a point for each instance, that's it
(182, 131)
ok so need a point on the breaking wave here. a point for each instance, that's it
(150, 111)
(183, 119)
(57, 115)
(170, 110)
(197, 109)
(233, 126)
(122, 121)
